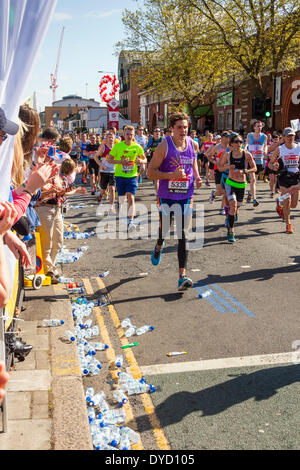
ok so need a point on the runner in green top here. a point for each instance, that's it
(127, 155)
(237, 162)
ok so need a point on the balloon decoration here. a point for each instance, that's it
(109, 86)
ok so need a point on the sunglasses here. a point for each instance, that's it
(3, 137)
(237, 141)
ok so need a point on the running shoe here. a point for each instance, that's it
(231, 237)
(156, 255)
(222, 211)
(289, 228)
(184, 283)
(207, 183)
(272, 195)
(249, 197)
(255, 203)
(93, 193)
(131, 227)
(212, 196)
(279, 208)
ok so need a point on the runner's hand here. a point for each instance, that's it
(179, 173)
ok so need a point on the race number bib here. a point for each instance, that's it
(179, 186)
(129, 168)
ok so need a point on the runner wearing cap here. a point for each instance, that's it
(256, 143)
(214, 154)
(174, 164)
(288, 156)
(239, 163)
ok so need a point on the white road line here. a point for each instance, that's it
(224, 363)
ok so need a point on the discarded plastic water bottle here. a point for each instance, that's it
(70, 336)
(100, 346)
(124, 442)
(132, 435)
(87, 324)
(100, 401)
(91, 414)
(105, 274)
(88, 348)
(283, 197)
(204, 294)
(89, 394)
(119, 361)
(65, 280)
(126, 322)
(130, 332)
(114, 416)
(52, 322)
(120, 397)
(75, 290)
(138, 387)
(144, 329)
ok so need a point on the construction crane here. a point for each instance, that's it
(53, 77)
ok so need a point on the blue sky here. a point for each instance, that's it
(92, 27)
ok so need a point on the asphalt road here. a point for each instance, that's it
(251, 315)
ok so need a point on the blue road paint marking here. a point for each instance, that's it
(219, 298)
(234, 301)
(210, 299)
(219, 303)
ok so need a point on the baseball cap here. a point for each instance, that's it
(7, 126)
(218, 137)
(288, 131)
(225, 134)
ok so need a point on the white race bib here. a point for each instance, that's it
(180, 186)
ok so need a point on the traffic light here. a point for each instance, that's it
(257, 108)
(268, 107)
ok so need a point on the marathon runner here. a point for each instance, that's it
(142, 141)
(153, 143)
(214, 155)
(107, 170)
(272, 174)
(84, 155)
(174, 164)
(239, 163)
(126, 155)
(288, 156)
(207, 144)
(256, 143)
(91, 150)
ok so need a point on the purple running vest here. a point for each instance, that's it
(180, 189)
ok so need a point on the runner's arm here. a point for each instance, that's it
(223, 163)
(210, 154)
(251, 163)
(273, 159)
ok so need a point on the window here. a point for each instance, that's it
(220, 121)
(237, 119)
(229, 119)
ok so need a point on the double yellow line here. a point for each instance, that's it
(159, 435)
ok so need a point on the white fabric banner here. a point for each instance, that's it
(23, 26)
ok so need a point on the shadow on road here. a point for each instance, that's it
(259, 385)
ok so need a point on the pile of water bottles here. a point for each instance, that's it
(65, 256)
(68, 235)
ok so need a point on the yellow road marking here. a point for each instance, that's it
(111, 356)
(159, 434)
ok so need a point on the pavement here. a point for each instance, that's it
(238, 385)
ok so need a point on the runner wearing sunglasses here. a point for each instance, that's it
(239, 163)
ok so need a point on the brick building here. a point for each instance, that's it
(129, 92)
(68, 106)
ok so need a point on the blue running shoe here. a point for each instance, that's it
(156, 255)
(231, 237)
(184, 283)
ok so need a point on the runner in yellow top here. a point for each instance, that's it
(127, 155)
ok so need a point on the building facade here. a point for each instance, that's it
(129, 91)
(69, 106)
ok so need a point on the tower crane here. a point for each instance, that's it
(53, 77)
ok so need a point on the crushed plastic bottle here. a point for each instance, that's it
(126, 322)
(119, 361)
(75, 290)
(105, 274)
(114, 416)
(144, 329)
(130, 332)
(120, 397)
(70, 336)
(99, 346)
(132, 435)
(65, 280)
(138, 387)
(204, 294)
(52, 322)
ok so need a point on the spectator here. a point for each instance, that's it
(3, 381)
